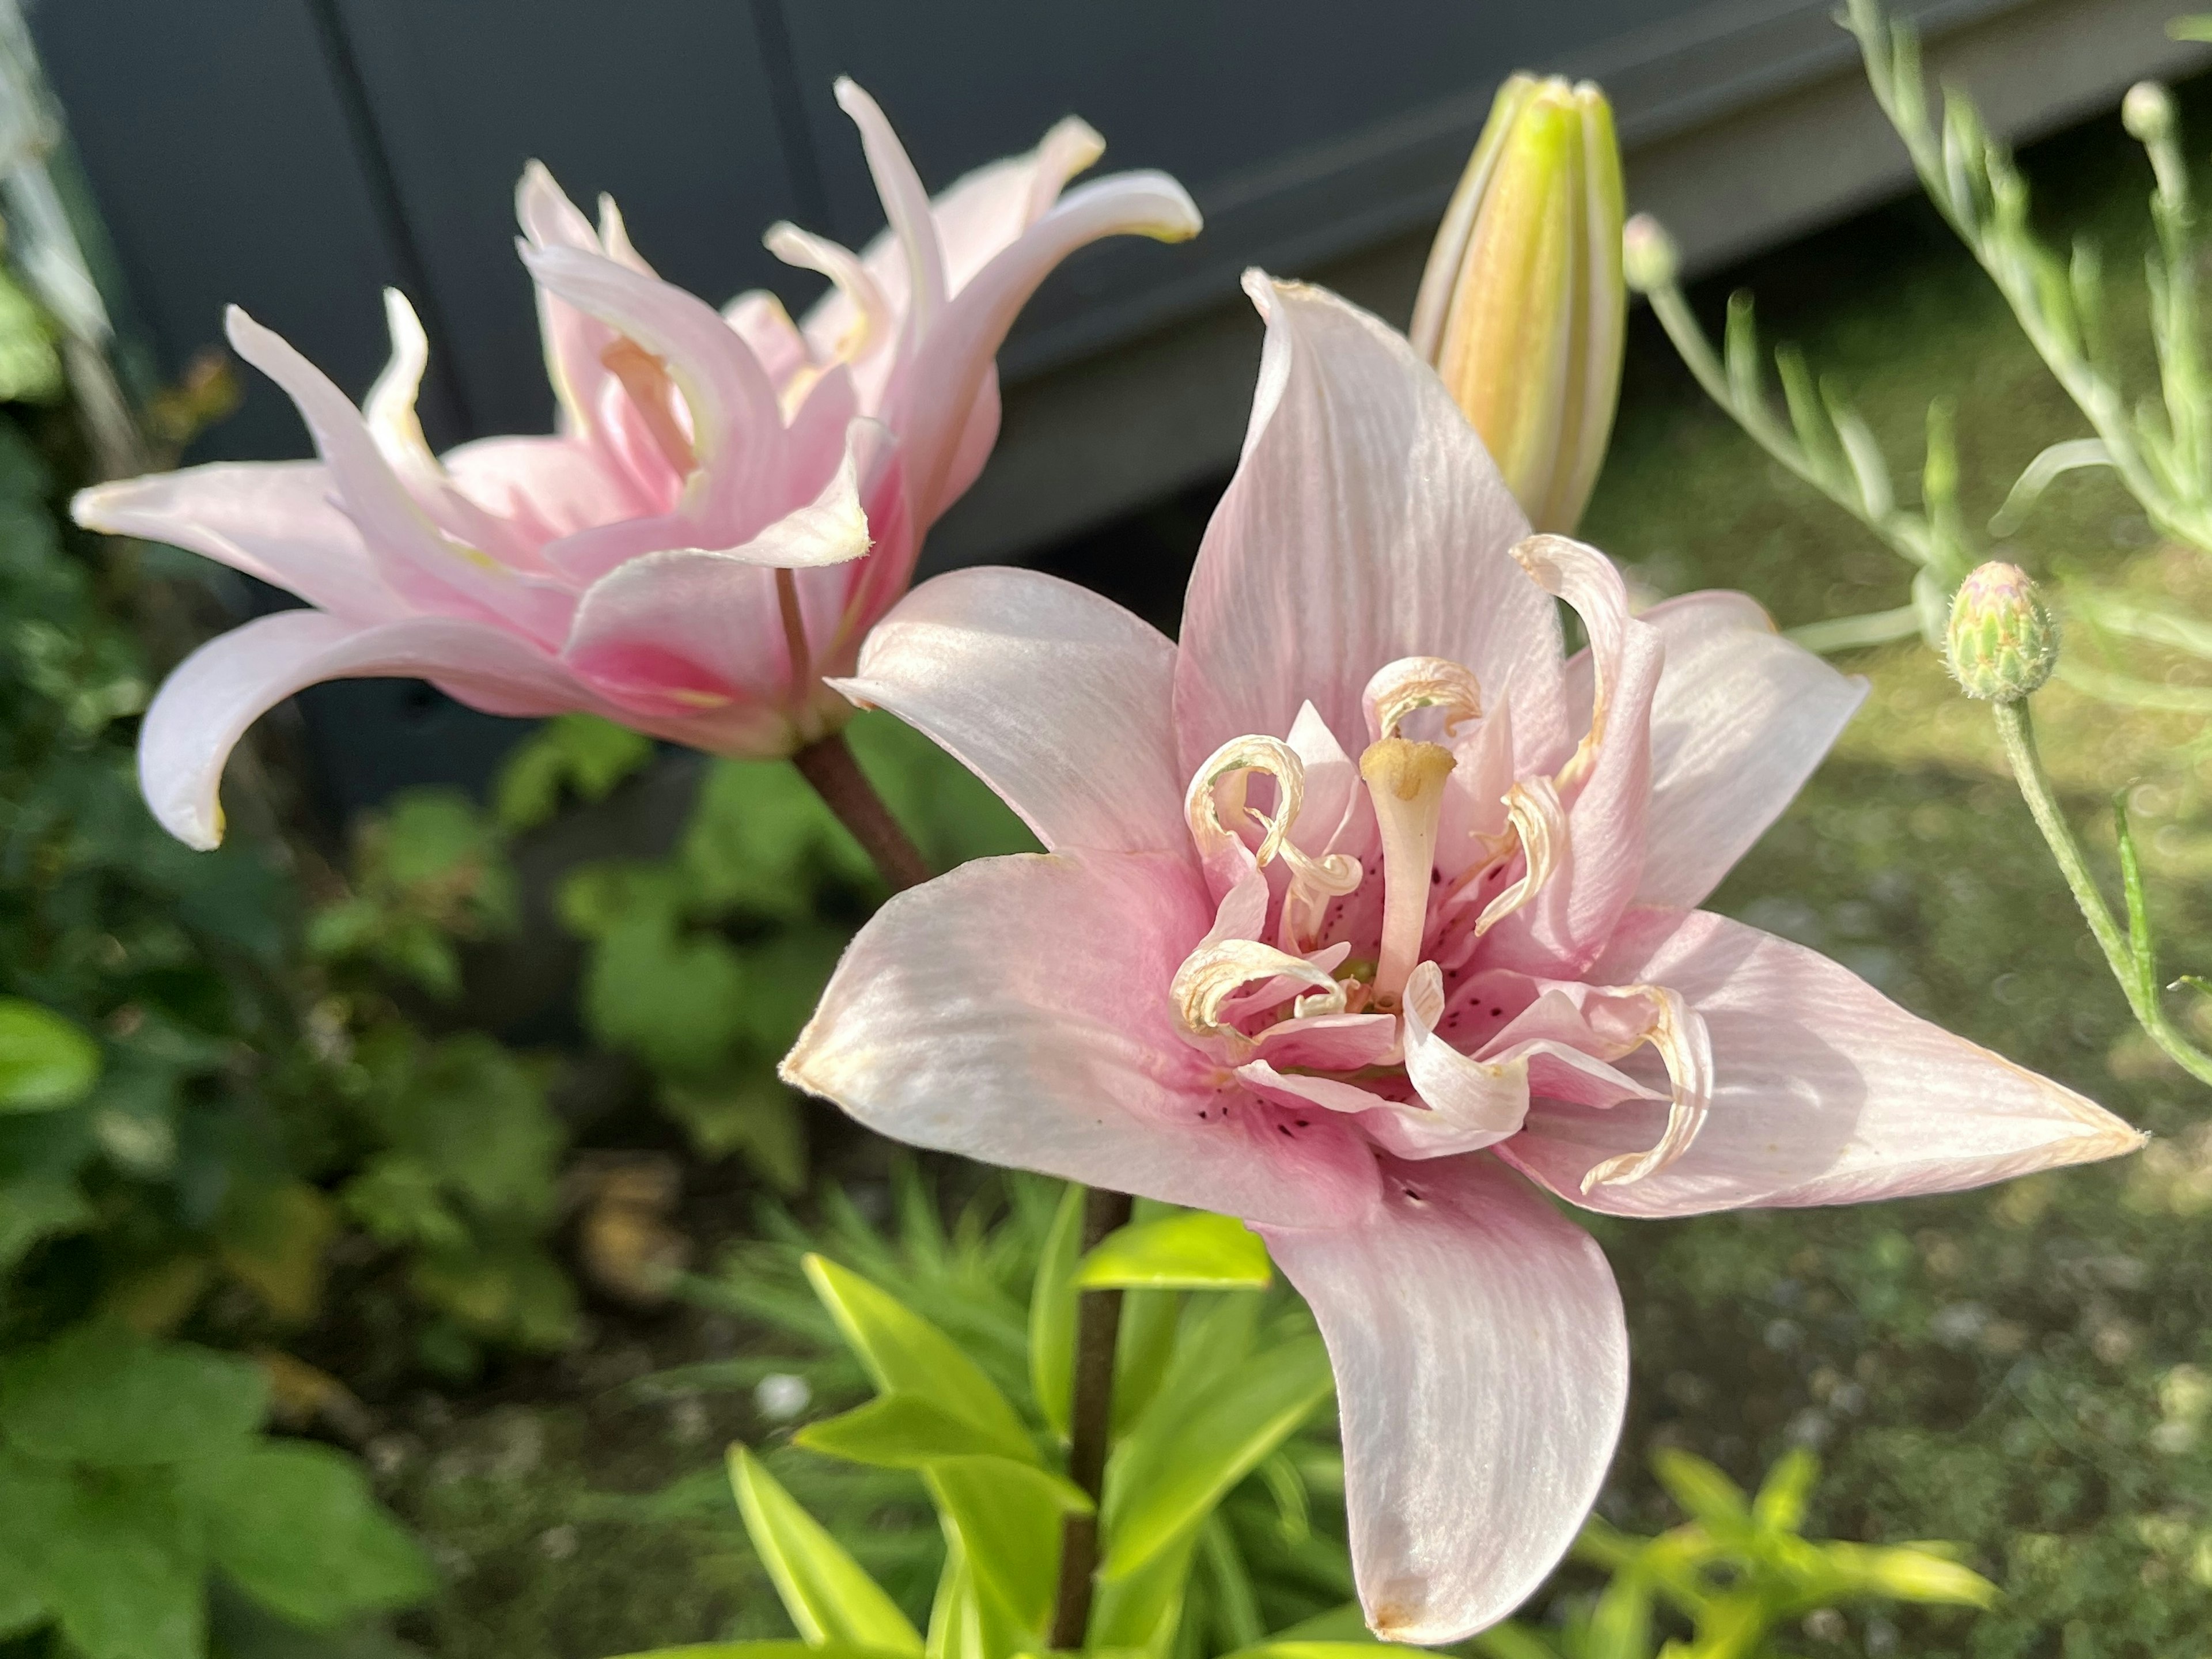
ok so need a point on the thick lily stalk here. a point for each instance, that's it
(1522, 309)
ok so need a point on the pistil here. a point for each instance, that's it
(1405, 781)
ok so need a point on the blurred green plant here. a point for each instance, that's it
(1737, 1573)
(704, 964)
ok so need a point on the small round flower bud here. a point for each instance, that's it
(2003, 641)
(2148, 113)
(1648, 256)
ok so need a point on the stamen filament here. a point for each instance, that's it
(794, 635)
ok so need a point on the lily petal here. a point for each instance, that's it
(1055, 697)
(1741, 718)
(1365, 524)
(1481, 1370)
(205, 706)
(1014, 1011)
(933, 395)
(1824, 1091)
(277, 520)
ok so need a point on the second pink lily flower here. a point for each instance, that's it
(730, 503)
(1369, 916)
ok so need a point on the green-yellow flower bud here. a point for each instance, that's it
(2003, 641)
(1522, 309)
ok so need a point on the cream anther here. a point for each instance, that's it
(1405, 781)
(1679, 1034)
(1216, 971)
(1231, 764)
(1400, 687)
(1538, 823)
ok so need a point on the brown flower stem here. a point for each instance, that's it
(828, 765)
(2127, 951)
(1090, 1419)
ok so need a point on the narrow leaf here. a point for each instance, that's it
(904, 1354)
(1052, 1313)
(831, 1601)
(897, 1431)
(1192, 1251)
(1178, 1463)
(1780, 1505)
(1705, 1494)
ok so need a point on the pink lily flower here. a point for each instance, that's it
(1368, 917)
(731, 503)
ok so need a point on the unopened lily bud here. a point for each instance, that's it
(2148, 113)
(1648, 258)
(2003, 641)
(1522, 310)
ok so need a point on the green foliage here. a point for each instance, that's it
(1192, 1251)
(578, 754)
(704, 964)
(131, 1470)
(46, 1062)
(1736, 1574)
(428, 873)
(1209, 1514)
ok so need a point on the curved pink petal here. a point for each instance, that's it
(573, 340)
(906, 205)
(1016, 1011)
(737, 424)
(1365, 523)
(410, 554)
(1825, 1091)
(933, 393)
(1741, 718)
(546, 487)
(1055, 697)
(1607, 782)
(687, 629)
(273, 520)
(770, 334)
(203, 708)
(1481, 1370)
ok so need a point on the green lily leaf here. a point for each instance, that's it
(1190, 1449)
(1192, 1251)
(898, 1432)
(1705, 1494)
(834, 1603)
(1783, 1496)
(1008, 1518)
(46, 1061)
(1279, 1649)
(904, 1354)
(1052, 1313)
(763, 1650)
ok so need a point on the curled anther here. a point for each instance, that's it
(1233, 764)
(1537, 824)
(1218, 970)
(1679, 1034)
(1314, 883)
(1399, 688)
(873, 316)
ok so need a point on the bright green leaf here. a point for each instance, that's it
(904, 1354)
(1783, 1496)
(1282, 1650)
(1166, 1477)
(1052, 1313)
(1192, 1251)
(1705, 1494)
(1009, 1518)
(46, 1061)
(897, 1431)
(295, 1526)
(1514, 1642)
(1909, 1574)
(763, 1650)
(831, 1601)
(108, 1398)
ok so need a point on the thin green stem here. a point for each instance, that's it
(2138, 974)
(1856, 633)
